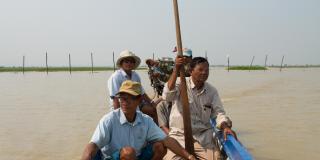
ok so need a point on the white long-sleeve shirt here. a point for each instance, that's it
(204, 104)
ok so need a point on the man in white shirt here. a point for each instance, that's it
(204, 104)
(127, 63)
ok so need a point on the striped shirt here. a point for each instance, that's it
(204, 104)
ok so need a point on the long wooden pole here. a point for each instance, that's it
(183, 87)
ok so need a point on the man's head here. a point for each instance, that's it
(199, 69)
(128, 60)
(129, 96)
(151, 62)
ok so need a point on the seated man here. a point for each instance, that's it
(204, 104)
(127, 63)
(127, 134)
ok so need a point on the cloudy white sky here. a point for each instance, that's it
(239, 28)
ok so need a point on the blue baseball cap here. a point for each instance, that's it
(187, 52)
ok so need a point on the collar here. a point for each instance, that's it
(123, 73)
(123, 119)
(192, 86)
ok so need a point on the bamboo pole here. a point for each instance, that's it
(281, 63)
(47, 69)
(91, 63)
(183, 87)
(70, 64)
(251, 63)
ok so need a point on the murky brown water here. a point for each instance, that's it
(53, 117)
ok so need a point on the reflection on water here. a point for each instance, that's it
(53, 117)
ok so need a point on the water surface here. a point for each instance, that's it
(44, 117)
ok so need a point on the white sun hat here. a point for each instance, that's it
(128, 54)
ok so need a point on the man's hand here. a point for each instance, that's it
(90, 151)
(180, 61)
(191, 157)
(227, 131)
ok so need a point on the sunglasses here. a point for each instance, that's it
(126, 98)
(129, 61)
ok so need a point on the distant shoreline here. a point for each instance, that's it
(77, 69)
(58, 69)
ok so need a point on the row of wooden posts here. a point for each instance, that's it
(265, 63)
(70, 67)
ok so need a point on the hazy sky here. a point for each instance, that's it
(239, 28)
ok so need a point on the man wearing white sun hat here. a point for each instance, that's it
(127, 63)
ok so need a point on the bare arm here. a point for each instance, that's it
(176, 148)
(172, 80)
(165, 129)
(90, 151)
(146, 98)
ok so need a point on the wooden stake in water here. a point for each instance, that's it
(206, 56)
(23, 60)
(228, 62)
(47, 68)
(281, 63)
(69, 63)
(183, 87)
(114, 65)
(265, 63)
(251, 63)
(91, 63)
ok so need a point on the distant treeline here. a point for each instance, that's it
(272, 66)
(56, 69)
(256, 67)
(247, 68)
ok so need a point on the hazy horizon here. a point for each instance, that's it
(241, 29)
